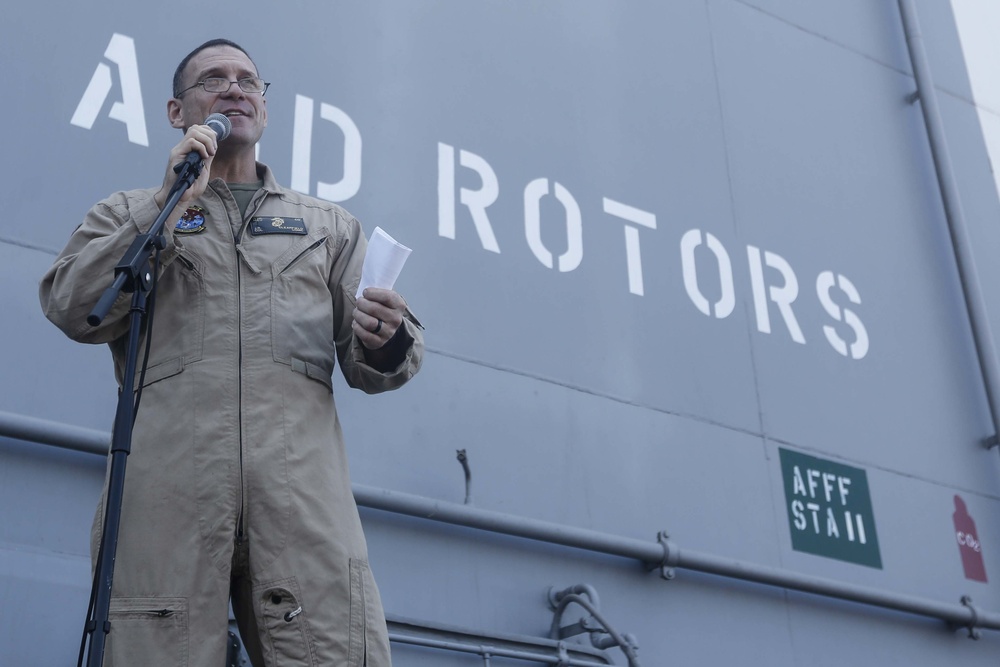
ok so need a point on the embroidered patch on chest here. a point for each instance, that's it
(192, 222)
(277, 225)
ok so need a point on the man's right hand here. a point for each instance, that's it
(199, 138)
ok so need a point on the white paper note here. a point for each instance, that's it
(383, 262)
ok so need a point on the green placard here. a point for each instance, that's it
(829, 509)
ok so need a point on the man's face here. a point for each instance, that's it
(246, 111)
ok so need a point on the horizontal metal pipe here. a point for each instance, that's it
(956, 614)
(508, 524)
(32, 429)
(653, 554)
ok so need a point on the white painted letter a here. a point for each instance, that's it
(121, 51)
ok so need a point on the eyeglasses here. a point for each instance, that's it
(219, 84)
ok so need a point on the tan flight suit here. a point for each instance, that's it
(237, 481)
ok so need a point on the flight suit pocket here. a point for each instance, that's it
(313, 371)
(302, 306)
(287, 639)
(144, 627)
(178, 323)
(369, 639)
(159, 372)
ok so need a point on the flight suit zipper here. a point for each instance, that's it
(240, 531)
(162, 613)
(237, 238)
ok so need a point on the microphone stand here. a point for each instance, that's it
(132, 274)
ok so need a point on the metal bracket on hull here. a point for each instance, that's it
(671, 556)
(973, 624)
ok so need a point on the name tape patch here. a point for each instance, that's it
(277, 225)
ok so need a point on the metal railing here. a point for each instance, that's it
(491, 645)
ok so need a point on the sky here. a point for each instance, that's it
(978, 26)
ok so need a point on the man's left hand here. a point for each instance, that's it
(377, 316)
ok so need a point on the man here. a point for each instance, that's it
(237, 483)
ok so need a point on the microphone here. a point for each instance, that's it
(221, 126)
